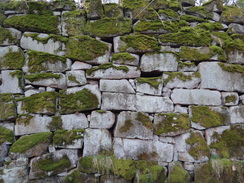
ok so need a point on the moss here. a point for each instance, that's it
(16, 5)
(35, 23)
(74, 177)
(40, 8)
(172, 122)
(35, 36)
(40, 76)
(39, 103)
(232, 68)
(61, 5)
(207, 117)
(19, 75)
(181, 64)
(210, 26)
(107, 66)
(7, 106)
(56, 123)
(94, 8)
(178, 174)
(198, 145)
(232, 14)
(85, 48)
(139, 43)
(73, 78)
(80, 101)
(169, 13)
(113, 10)
(145, 120)
(127, 125)
(153, 81)
(200, 11)
(122, 57)
(190, 18)
(27, 142)
(188, 36)
(6, 135)
(63, 137)
(101, 111)
(2, 18)
(230, 98)
(24, 118)
(5, 34)
(147, 156)
(180, 75)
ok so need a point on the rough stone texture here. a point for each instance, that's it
(120, 86)
(236, 28)
(76, 144)
(3, 152)
(10, 84)
(75, 78)
(74, 121)
(159, 62)
(237, 114)
(227, 81)
(15, 174)
(80, 65)
(16, 35)
(102, 119)
(7, 110)
(149, 89)
(230, 98)
(185, 67)
(129, 125)
(111, 1)
(210, 132)
(134, 62)
(196, 96)
(236, 57)
(96, 141)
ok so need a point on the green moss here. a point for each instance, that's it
(39, 103)
(56, 123)
(6, 35)
(6, 135)
(2, 18)
(127, 125)
(145, 120)
(24, 118)
(180, 75)
(210, 26)
(188, 36)
(190, 18)
(153, 81)
(27, 142)
(19, 75)
(7, 106)
(61, 5)
(232, 68)
(40, 76)
(16, 5)
(63, 137)
(101, 111)
(172, 122)
(80, 101)
(35, 23)
(40, 8)
(178, 174)
(38, 61)
(169, 13)
(122, 57)
(85, 48)
(54, 37)
(73, 78)
(94, 8)
(207, 117)
(107, 66)
(181, 64)
(232, 14)
(139, 43)
(74, 177)
(113, 10)
(230, 98)
(198, 145)
(200, 11)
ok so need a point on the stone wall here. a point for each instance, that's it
(135, 91)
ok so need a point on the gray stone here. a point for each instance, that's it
(16, 35)
(187, 2)
(236, 28)
(77, 65)
(121, 61)
(189, 166)
(230, 98)
(227, 81)
(209, 133)
(15, 174)
(169, 49)
(236, 57)
(159, 62)
(31, 92)
(168, 140)
(216, 17)
(113, 179)
(147, 88)
(75, 78)
(196, 96)
(134, 125)
(120, 86)
(237, 114)
(3, 152)
(102, 119)
(180, 109)
(187, 67)
(95, 141)
(74, 144)
(74, 121)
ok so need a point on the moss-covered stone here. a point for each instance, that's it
(107, 66)
(230, 99)
(232, 14)
(169, 13)
(232, 68)
(35, 23)
(82, 100)
(2, 18)
(5, 35)
(178, 174)
(73, 78)
(63, 137)
(200, 11)
(19, 75)
(40, 8)
(191, 18)
(108, 27)
(113, 10)
(7, 107)
(94, 9)
(18, 6)
(6, 135)
(85, 48)
(40, 76)
(63, 5)
(54, 37)
(180, 75)
(127, 125)
(181, 64)
(171, 123)
(122, 58)
(40, 103)
(210, 26)
(153, 81)
(24, 118)
(74, 177)
(27, 142)
(56, 123)
(164, 4)
(198, 145)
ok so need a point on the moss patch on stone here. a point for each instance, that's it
(232, 14)
(145, 120)
(200, 11)
(108, 27)
(40, 8)
(27, 142)
(75, 177)
(127, 125)
(122, 57)
(191, 18)
(6, 35)
(210, 26)
(169, 13)
(112, 10)
(6, 135)
(54, 37)
(80, 101)
(180, 75)
(63, 137)
(107, 66)
(94, 9)
(7, 106)
(56, 123)
(232, 68)
(24, 118)
(73, 78)
(230, 99)
(181, 64)
(40, 76)
(2, 18)
(19, 75)
(152, 81)
(178, 174)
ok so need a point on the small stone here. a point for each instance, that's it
(230, 99)
(74, 121)
(102, 119)
(120, 86)
(80, 66)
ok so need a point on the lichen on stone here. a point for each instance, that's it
(145, 120)
(56, 123)
(40, 76)
(127, 125)
(180, 75)
(232, 68)
(6, 135)
(63, 137)
(107, 66)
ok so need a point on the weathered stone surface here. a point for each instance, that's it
(96, 141)
(230, 99)
(32, 124)
(237, 114)
(120, 86)
(142, 149)
(151, 86)
(187, 2)
(209, 133)
(236, 57)
(123, 59)
(102, 119)
(10, 84)
(159, 62)
(181, 79)
(134, 125)
(75, 78)
(196, 96)
(74, 121)
(187, 66)
(12, 36)
(3, 152)
(80, 65)
(236, 28)
(114, 72)
(227, 81)
(7, 107)
(15, 174)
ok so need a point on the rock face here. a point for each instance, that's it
(102, 119)
(119, 86)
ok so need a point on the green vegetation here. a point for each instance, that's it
(180, 75)
(178, 174)
(24, 118)
(101, 111)
(230, 99)
(207, 117)
(232, 68)
(56, 123)
(54, 37)
(181, 64)
(2, 18)
(73, 78)
(122, 58)
(40, 76)
(190, 18)
(94, 9)
(35, 23)
(80, 101)
(63, 5)
(108, 27)
(153, 81)
(169, 13)
(19, 75)
(232, 14)
(107, 66)
(198, 145)
(40, 8)
(113, 10)
(145, 120)
(210, 26)
(201, 11)
(172, 122)
(63, 137)
(7, 106)
(74, 177)
(6, 35)
(27, 142)
(6, 135)
(127, 125)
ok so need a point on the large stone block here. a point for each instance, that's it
(74, 121)
(119, 86)
(152, 85)
(102, 119)
(75, 78)
(237, 114)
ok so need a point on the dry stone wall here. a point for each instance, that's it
(121, 91)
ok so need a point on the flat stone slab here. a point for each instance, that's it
(75, 78)
(237, 114)
(119, 86)
(74, 121)
(236, 57)
(102, 119)
(147, 87)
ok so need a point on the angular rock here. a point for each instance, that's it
(80, 65)
(3, 152)
(96, 141)
(237, 114)
(196, 96)
(232, 14)
(159, 62)
(209, 133)
(102, 119)
(7, 107)
(119, 86)
(15, 174)
(74, 121)
(151, 86)
(236, 57)
(9, 36)
(125, 58)
(187, 66)
(134, 125)
(230, 99)
(75, 78)
(236, 28)
(227, 81)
